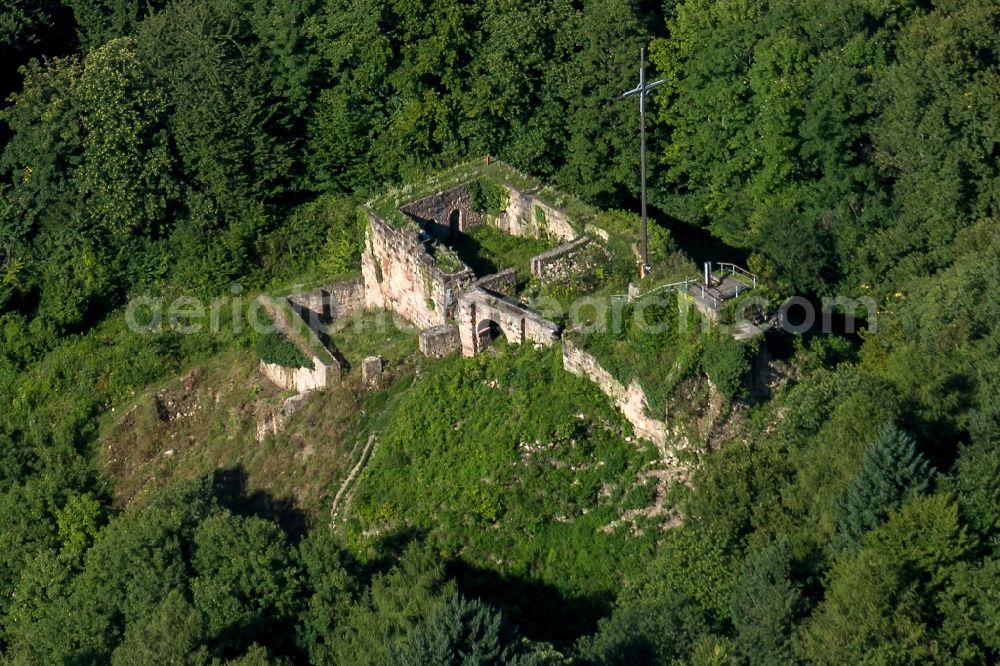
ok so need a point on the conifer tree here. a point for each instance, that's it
(893, 471)
(463, 631)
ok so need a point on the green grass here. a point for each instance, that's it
(301, 332)
(145, 446)
(306, 283)
(446, 259)
(511, 468)
(658, 359)
(374, 333)
(487, 250)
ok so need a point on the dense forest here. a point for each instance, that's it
(847, 147)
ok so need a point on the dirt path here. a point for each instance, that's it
(342, 500)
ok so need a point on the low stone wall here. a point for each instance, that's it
(400, 275)
(440, 341)
(301, 380)
(560, 262)
(631, 401)
(330, 302)
(503, 283)
(522, 218)
(446, 213)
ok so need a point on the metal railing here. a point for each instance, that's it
(715, 295)
(737, 270)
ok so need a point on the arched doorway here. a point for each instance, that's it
(455, 223)
(487, 331)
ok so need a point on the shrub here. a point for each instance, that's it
(488, 197)
(727, 363)
(541, 219)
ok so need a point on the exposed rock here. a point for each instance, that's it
(371, 371)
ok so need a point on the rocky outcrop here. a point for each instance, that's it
(271, 421)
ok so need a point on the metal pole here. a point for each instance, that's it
(642, 150)
(641, 90)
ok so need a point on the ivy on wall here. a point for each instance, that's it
(488, 197)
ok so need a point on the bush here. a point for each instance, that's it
(727, 363)
(275, 348)
(488, 197)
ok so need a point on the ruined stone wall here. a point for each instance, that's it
(434, 213)
(400, 275)
(518, 324)
(271, 420)
(522, 218)
(440, 340)
(330, 302)
(631, 401)
(301, 380)
(503, 283)
(556, 223)
(561, 262)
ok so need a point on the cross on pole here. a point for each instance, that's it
(642, 90)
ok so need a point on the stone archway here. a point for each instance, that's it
(455, 223)
(487, 332)
(480, 315)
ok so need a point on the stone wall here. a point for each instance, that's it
(522, 219)
(301, 380)
(518, 324)
(440, 341)
(319, 376)
(330, 302)
(400, 275)
(503, 283)
(560, 262)
(631, 400)
(445, 213)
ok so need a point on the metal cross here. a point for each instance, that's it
(642, 90)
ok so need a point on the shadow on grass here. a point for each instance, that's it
(540, 611)
(229, 487)
(473, 254)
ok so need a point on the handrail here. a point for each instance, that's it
(685, 282)
(723, 266)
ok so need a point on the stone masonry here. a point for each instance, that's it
(445, 214)
(503, 283)
(456, 310)
(440, 341)
(330, 302)
(518, 324)
(560, 261)
(301, 380)
(400, 275)
(522, 218)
